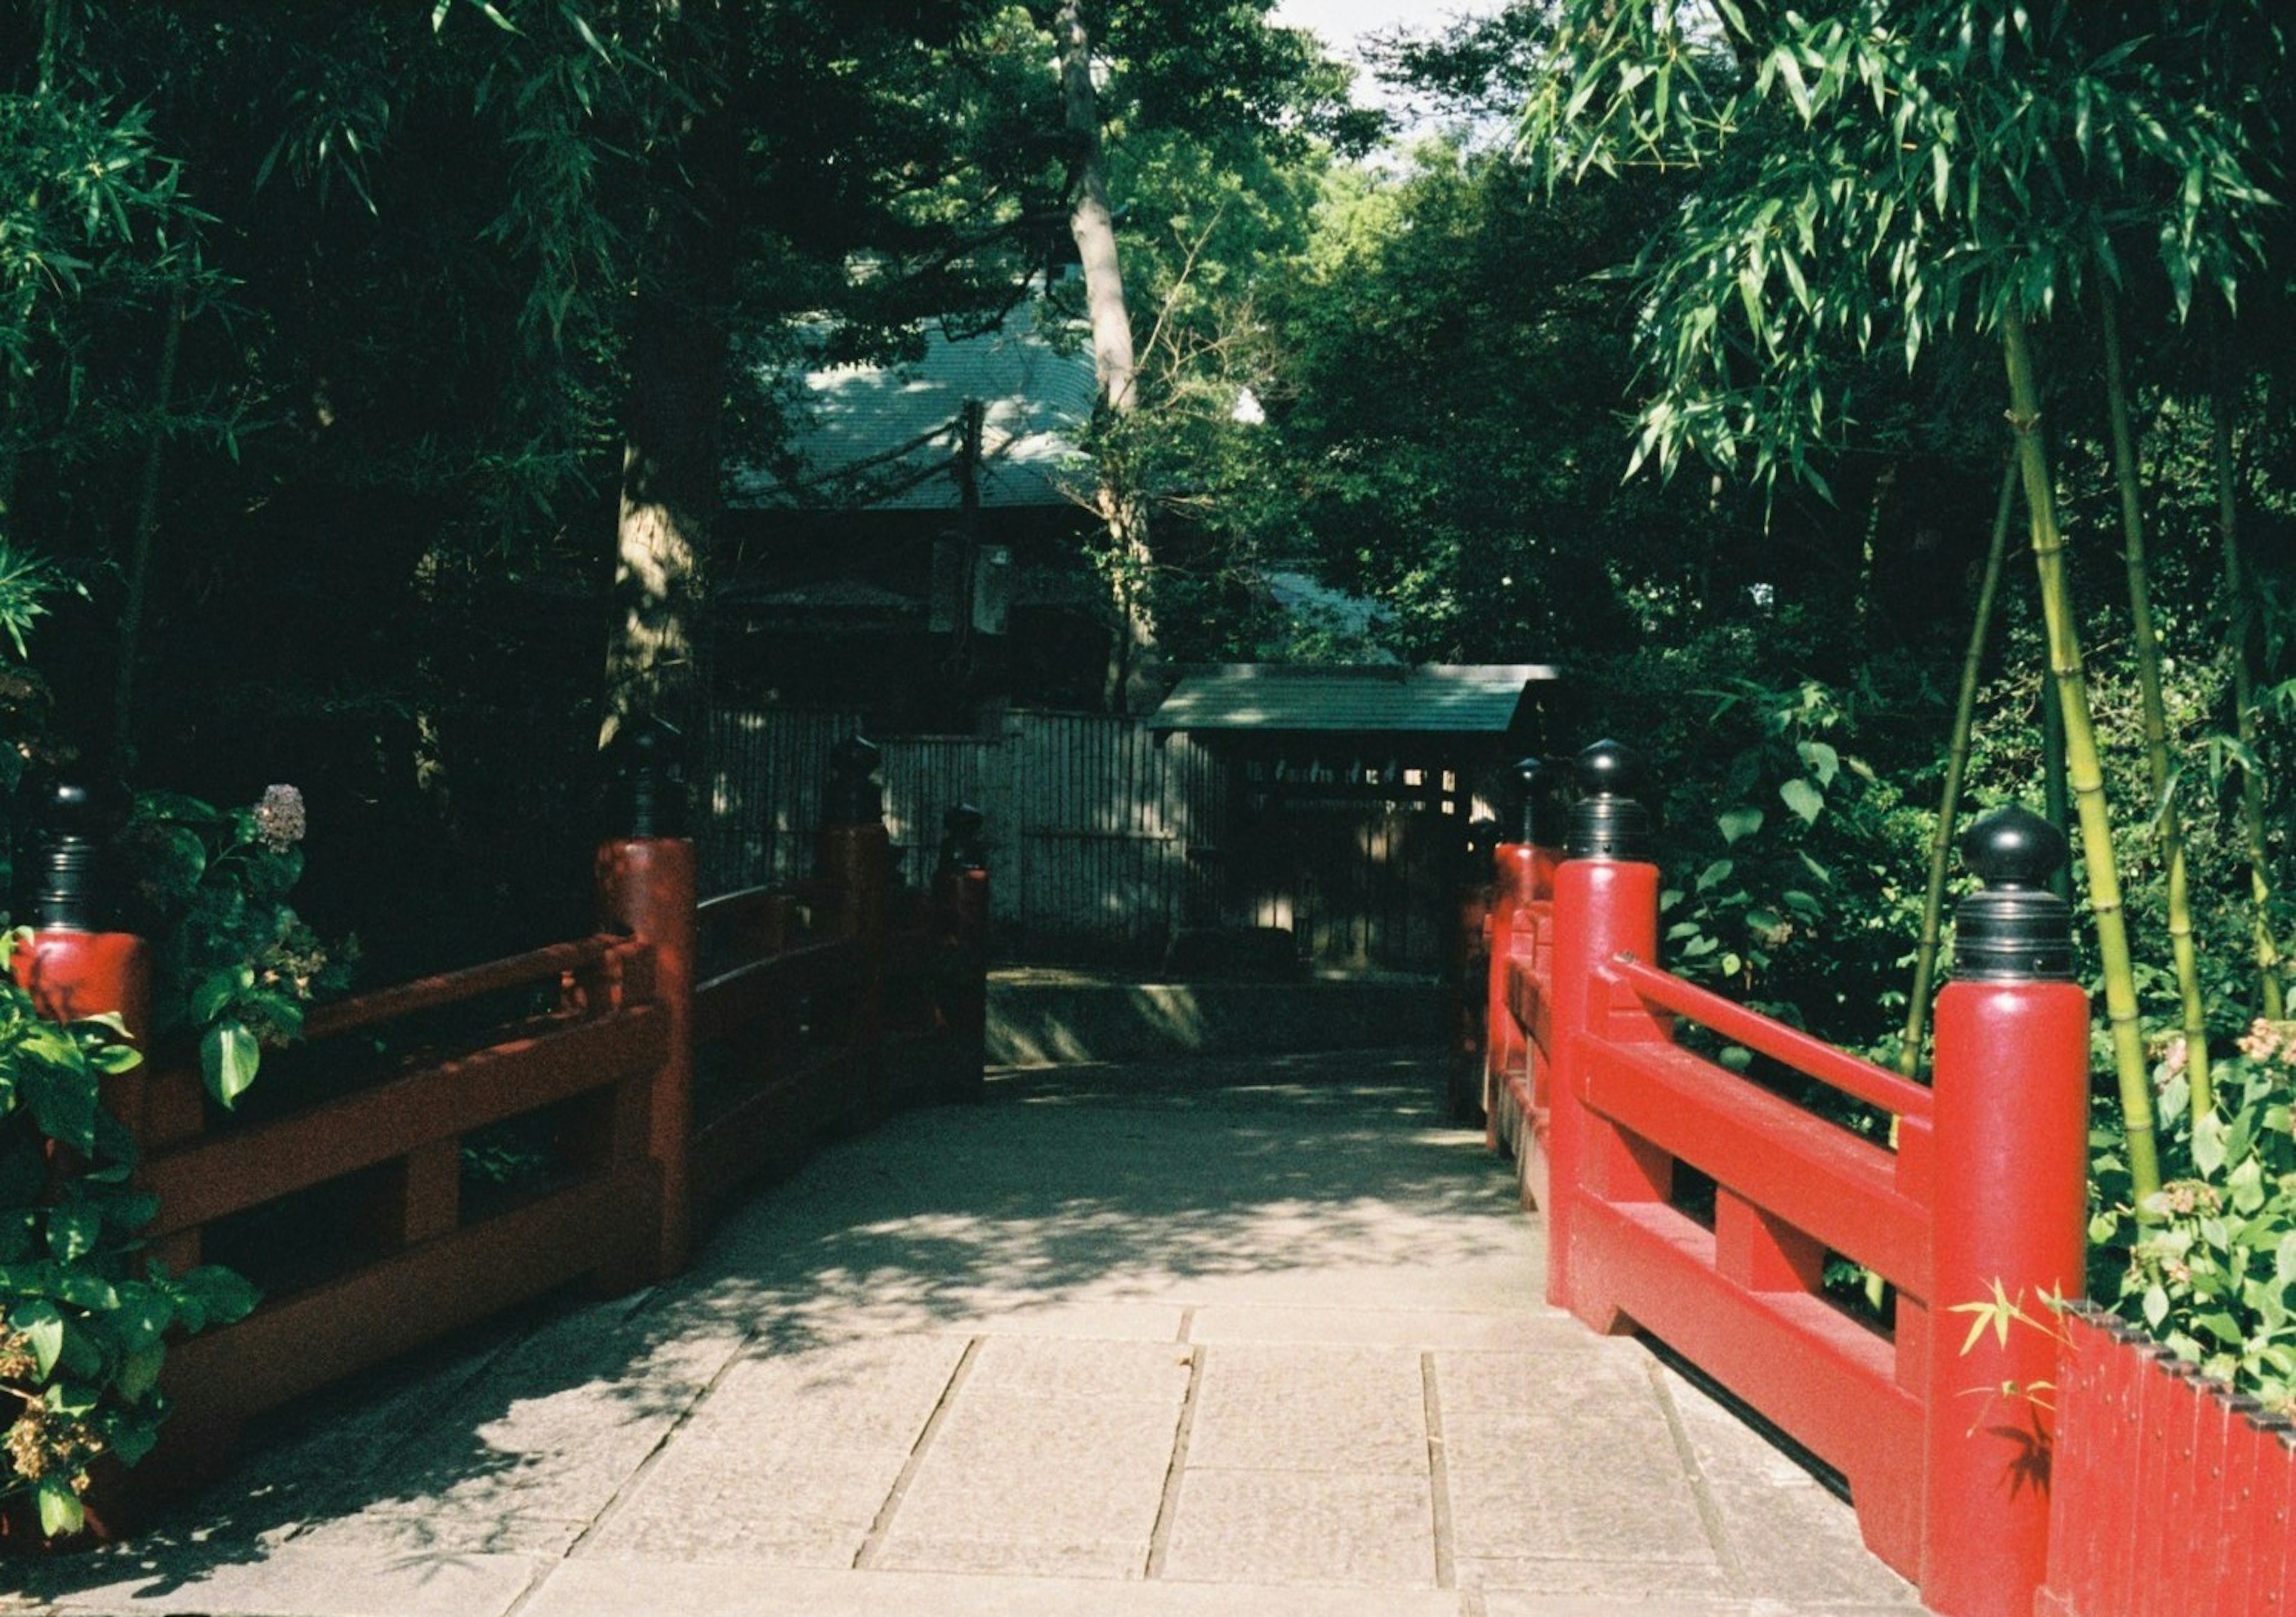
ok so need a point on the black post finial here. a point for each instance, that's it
(1531, 803)
(962, 847)
(1607, 822)
(2014, 929)
(851, 795)
(75, 821)
(652, 782)
(645, 786)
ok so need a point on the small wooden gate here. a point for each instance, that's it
(1105, 838)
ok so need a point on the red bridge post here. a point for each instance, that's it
(2012, 1159)
(646, 885)
(73, 970)
(1523, 873)
(1605, 905)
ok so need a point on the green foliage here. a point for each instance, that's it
(1790, 852)
(236, 964)
(2209, 1267)
(1880, 176)
(83, 1326)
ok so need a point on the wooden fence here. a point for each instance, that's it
(1106, 837)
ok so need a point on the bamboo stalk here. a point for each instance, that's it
(147, 522)
(2054, 803)
(2171, 831)
(1957, 765)
(2083, 772)
(2243, 695)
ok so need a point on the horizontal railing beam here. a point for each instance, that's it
(1812, 1057)
(536, 966)
(221, 1175)
(1813, 1174)
(1824, 1380)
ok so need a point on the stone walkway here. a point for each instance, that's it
(1164, 1341)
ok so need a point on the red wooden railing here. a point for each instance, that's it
(1591, 1085)
(650, 1094)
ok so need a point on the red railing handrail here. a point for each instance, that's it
(453, 987)
(792, 961)
(716, 906)
(1854, 1076)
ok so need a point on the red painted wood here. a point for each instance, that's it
(1521, 876)
(2273, 1571)
(647, 885)
(2177, 1517)
(73, 975)
(1755, 1249)
(1820, 1177)
(1812, 1057)
(228, 1172)
(557, 961)
(2129, 1369)
(760, 989)
(295, 1344)
(1823, 1377)
(2012, 1161)
(1603, 909)
(2215, 1514)
(2241, 1452)
(2156, 1401)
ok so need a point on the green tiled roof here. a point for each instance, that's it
(1473, 699)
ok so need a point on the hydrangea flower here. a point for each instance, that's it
(279, 818)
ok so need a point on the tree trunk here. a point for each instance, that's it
(2238, 653)
(2082, 767)
(654, 657)
(1957, 765)
(679, 356)
(1122, 512)
(2156, 717)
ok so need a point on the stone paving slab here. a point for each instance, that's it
(1425, 1328)
(1178, 1341)
(584, 1588)
(1349, 1529)
(1287, 1406)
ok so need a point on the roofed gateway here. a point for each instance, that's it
(1351, 788)
(1457, 698)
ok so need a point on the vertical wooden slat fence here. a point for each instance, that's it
(1105, 837)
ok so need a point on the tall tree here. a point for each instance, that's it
(1119, 505)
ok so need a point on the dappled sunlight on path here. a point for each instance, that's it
(1195, 1337)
